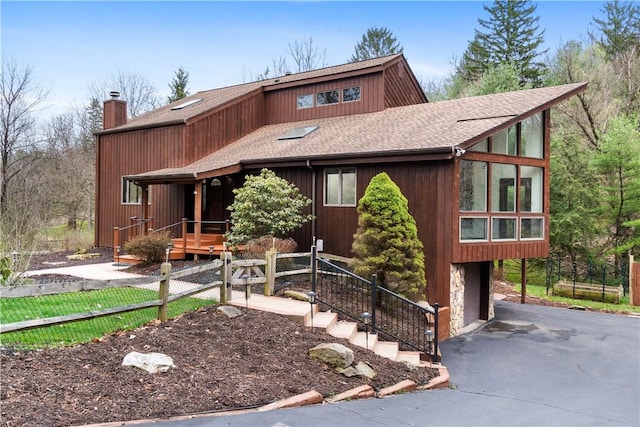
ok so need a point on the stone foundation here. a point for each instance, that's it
(456, 299)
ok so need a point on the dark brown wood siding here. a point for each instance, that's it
(281, 105)
(400, 87)
(209, 133)
(428, 187)
(129, 153)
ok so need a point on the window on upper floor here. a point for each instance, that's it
(329, 97)
(305, 101)
(473, 186)
(340, 187)
(532, 137)
(505, 142)
(351, 94)
(503, 187)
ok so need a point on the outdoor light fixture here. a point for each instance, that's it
(366, 319)
(247, 289)
(312, 301)
(210, 252)
(118, 256)
(459, 151)
(215, 182)
(428, 334)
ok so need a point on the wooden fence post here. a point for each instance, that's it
(225, 290)
(163, 293)
(270, 271)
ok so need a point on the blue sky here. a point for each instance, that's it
(71, 44)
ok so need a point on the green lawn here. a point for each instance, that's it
(536, 286)
(27, 308)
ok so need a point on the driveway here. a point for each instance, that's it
(530, 366)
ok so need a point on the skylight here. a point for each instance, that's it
(186, 104)
(297, 133)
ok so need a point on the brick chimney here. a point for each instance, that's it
(115, 112)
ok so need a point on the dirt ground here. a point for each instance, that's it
(220, 364)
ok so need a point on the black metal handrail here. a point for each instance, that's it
(391, 315)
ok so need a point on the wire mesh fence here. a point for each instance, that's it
(62, 301)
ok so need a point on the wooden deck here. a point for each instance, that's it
(210, 245)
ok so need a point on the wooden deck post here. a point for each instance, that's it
(163, 293)
(116, 242)
(270, 271)
(226, 289)
(197, 228)
(523, 280)
(145, 209)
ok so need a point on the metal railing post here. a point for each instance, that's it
(374, 296)
(314, 267)
(436, 306)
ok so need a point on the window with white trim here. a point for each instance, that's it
(474, 229)
(131, 192)
(340, 187)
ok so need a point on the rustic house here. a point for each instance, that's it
(475, 170)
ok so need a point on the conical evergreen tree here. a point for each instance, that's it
(510, 36)
(386, 243)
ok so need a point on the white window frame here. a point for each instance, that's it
(306, 95)
(487, 228)
(340, 171)
(526, 239)
(508, 239)
(124, 185)
(318, 104)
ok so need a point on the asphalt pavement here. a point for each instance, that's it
(530, 366)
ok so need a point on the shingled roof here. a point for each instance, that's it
(430, 128)
(214, 98)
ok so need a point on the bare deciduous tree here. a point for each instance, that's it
(20, 97)
(140, 94)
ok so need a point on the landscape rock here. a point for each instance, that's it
(229, 311)
(365, 370)
(80, 257)
(334, 354)
(297, 295)
(151, 362)
(349, 371)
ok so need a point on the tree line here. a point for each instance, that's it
(47, 172)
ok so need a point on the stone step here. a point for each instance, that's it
(365, 340)
(343, 329)
(388, 349)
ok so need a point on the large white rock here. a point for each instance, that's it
(334, 354)
(151, 362)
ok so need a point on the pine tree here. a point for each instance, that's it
(620, 29)
(386, 243)
(376, 42)
(178, 85)
(510, 35)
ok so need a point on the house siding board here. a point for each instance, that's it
(214, 131)
(281, 105)
(426, 186)
(120, 155)
(399, 87)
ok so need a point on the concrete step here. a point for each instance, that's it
(322, 319)
(365, 340)
(343, 329)
(412, 357)
(388, 349)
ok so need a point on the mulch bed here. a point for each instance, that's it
(220, 364)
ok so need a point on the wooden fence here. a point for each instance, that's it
(232, 272)
(634, 282)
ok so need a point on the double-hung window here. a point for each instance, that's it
(340, 187)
